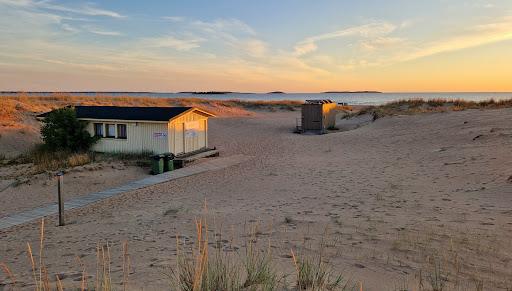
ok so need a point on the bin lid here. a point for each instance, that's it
(169, 155)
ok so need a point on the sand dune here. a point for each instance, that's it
(388, 196)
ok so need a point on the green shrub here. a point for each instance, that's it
(61, 130)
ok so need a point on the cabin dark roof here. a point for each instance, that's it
(127, 113)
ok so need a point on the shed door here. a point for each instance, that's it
(312, 117)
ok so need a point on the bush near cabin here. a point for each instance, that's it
(62, 131)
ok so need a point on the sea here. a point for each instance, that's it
(355, 98)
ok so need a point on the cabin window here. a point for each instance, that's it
(121, 131)
(111, 130)
(98, 129)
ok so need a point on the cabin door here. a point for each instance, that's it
(179, 140)
(192, 136)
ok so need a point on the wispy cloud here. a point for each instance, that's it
(231, 25)
(475, 36)
(374, 29)
(174, 18)
(83, 9)
(234, 35)
(18, 3)
(69, 28)
(100, 31)
(255, 47)
(303, 48)
(380, 43)
(180, 44)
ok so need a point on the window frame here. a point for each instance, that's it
(107, 131)
(100, 125)
(118, 125)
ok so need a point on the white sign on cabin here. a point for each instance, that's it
(192, 129)
(160, 135)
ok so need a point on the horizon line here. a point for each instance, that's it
(212, 92)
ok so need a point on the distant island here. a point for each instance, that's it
(276, 92)
(349, 92)
(206, 92)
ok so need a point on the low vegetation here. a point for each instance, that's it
(414, 106)
(209, 262)
(50, 160)
(65, 144)
(16, 107)
(201, 266)
(222, 267)
(140, 159)
(313, 273)
(45, 160)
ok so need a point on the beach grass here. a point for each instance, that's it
(16, 107)
(45, 159)
(415, 106)
(209, 264)
(48, 160)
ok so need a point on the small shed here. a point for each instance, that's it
(318, 115)
(176, 130)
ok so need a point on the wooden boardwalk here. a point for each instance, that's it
(82, 201)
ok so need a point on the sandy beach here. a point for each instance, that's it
(386, 197)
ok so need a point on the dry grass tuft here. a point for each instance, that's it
(78, 159)
(198, 270)
(259, 268)
(8, 113)
(313, 273)
(48, 160)
(436, 276)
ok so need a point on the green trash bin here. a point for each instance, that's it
(157, 164)
(168, 162)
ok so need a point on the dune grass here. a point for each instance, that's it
(45, 159)
(15, 107)
(48, 160)
(209, 264)
(212, 263)
(414, 106)
(217, 265)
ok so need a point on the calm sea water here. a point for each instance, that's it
(350, 98)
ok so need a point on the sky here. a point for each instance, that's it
(256, 46)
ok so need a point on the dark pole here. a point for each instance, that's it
(60, 177)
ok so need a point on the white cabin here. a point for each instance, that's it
(177, 130)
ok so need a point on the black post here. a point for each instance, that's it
(60, 177)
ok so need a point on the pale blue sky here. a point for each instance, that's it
(436, 45)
